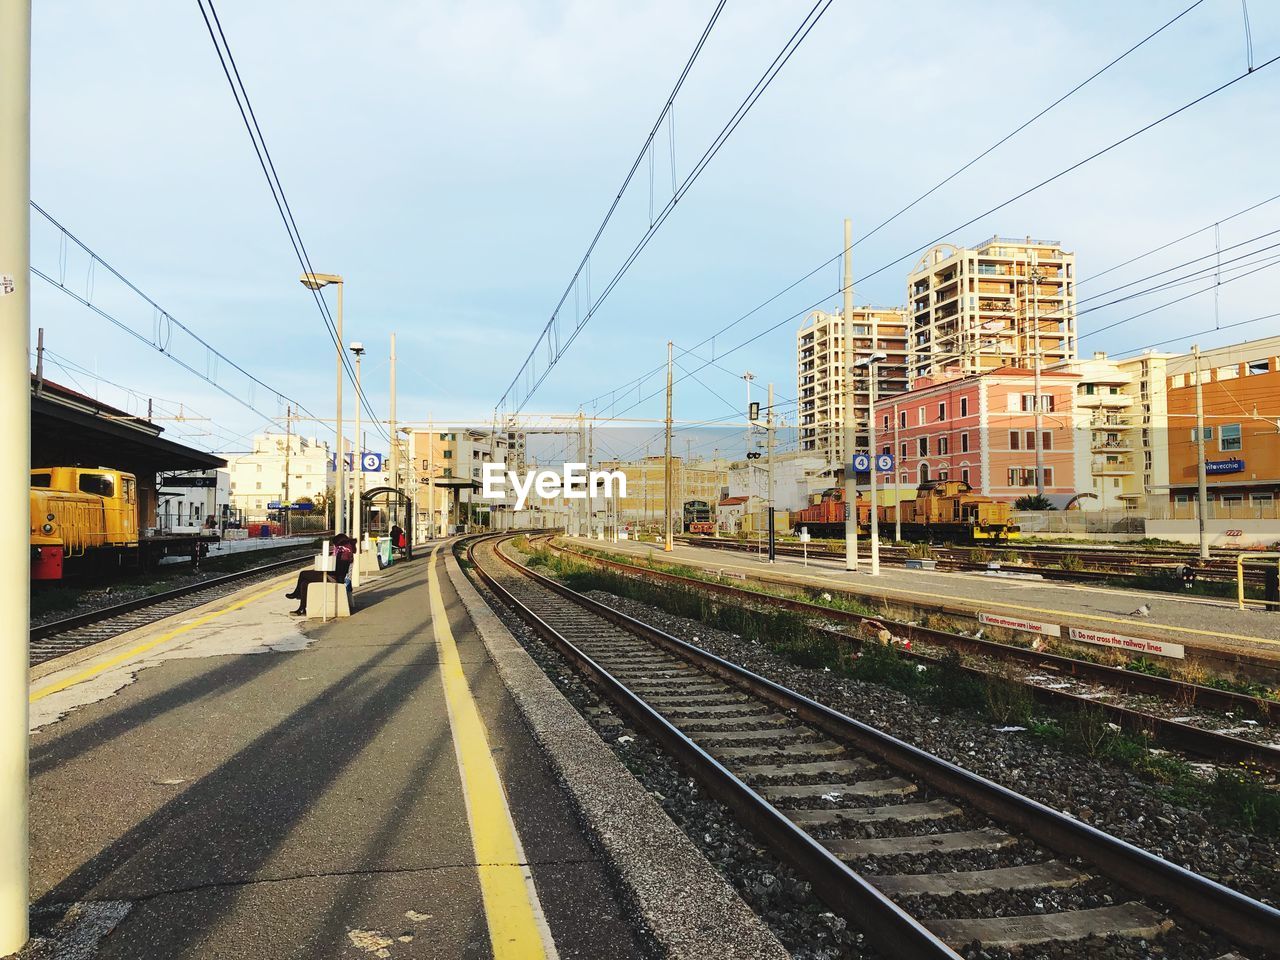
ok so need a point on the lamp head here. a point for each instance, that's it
(356, 347)
(314, 281)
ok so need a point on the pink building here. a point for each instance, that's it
(981, 429)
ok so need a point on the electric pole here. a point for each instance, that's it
(1202, 483)
(897, 473)
(668, 491)
(769, 427)
(288, 449)
(395, 441)
(1034, 277)
(850, 436)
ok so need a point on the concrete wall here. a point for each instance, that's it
(1254, 533)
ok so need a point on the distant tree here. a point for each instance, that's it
(1033, 501)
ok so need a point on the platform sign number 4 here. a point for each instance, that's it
(371, 462)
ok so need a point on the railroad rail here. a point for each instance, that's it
(1168, 732)
(803, 777)
(1098, 566)
(60, 637)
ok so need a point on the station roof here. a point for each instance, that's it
(69, 428)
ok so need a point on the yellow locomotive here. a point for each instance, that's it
(950, 510)
(88, 518)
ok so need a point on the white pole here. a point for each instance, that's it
(897, 474)
(850, 434)
(15, 505)
(668, 488)
(357, 463)
(1202, 492)
(340, 479)
(871, 449)
(395, 441)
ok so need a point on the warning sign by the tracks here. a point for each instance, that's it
(1017, 623)
(1130, 644)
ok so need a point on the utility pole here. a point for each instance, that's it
(15, 505)
(769, 427)
(872, 375)
(358, 463)
(395, 440)
(340, 480)
(1202, 483)
(850, 436)
(897, 473)
(288, 448)
(668, 491)
(40, 368)
(582, 513)
(431, 477)
(1035, 326)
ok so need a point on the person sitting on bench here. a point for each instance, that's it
(343, 554)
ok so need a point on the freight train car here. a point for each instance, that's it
(85, 520)
(698, 517)
(950, 510)
(825, 515)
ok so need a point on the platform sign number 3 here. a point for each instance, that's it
(371, 462)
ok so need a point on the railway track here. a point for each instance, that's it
(60, 637)
(1095, 566)
(850, 805)
(1055, 680)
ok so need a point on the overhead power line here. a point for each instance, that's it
(972, 220)
(163, 326)
(550, 339)
(232, 72)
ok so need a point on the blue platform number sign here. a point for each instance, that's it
(884, 462)
(861, 462)
(371, 462)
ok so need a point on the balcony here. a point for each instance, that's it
(1110, 466)
(1101, 445)
(1108, 401)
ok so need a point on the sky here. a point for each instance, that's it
(452, 161)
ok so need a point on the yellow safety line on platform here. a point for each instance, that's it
(119, 658)
(510, 902)
(933, 595)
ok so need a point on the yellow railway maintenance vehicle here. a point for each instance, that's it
(86, 520)
(950, 510)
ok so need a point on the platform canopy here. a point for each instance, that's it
(69, 428)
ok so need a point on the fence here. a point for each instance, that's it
(1079, 521)
(1217, 509)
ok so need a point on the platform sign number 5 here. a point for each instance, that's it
(884, 462)
(371, 462)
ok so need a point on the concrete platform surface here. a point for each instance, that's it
(1192, 621)
(245, 785)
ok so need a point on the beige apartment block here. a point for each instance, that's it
(705, 480)
(820, 365)
(994, 305)
(1120, 430)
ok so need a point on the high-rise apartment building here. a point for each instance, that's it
(999, 304)
(820, 369)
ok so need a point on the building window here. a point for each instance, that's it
(1255, 367)
(1014, 438)
(964, 474)
(1229, 437)
(924, 473)
(902, 453)
(258, 485)
(920, 416)
(1207, 433)
(964, 442)
(1031, 440)
(886, 421)
(943, 445)
(448, 454)
(964, 406)
(923, 446)
(1048, 476)
(942, 410)
(902, 418)
(448, 471)
(1046, 440)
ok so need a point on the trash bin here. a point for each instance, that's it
(383, 547)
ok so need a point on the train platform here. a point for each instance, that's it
(403, 783)
(1186, 621)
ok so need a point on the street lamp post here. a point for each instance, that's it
(315, 281)
(871, 362)
(357, 348)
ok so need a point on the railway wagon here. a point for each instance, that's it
(85, 520)
(698, 517)
(825, 515)
(950, 510)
